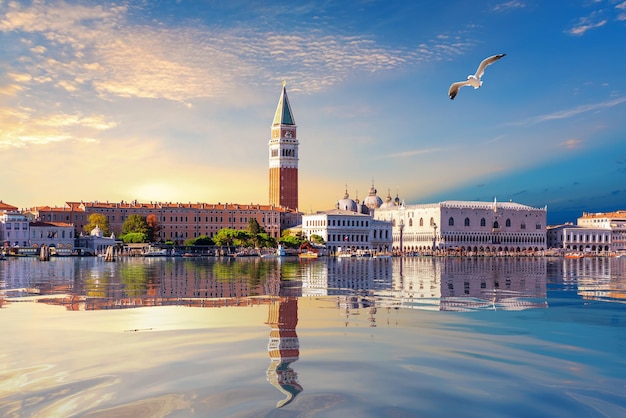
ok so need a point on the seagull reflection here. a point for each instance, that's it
(283, 348)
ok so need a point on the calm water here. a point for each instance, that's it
(427, 337)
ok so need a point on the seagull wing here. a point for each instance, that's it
(454, 88)
(485, 63)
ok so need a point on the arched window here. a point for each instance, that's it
(496, 224)
(523, 226)
(467, 222)
(483, 222)
(508, 223)
(421, 221)
(451, 221)
(411, 222)
(432, 222)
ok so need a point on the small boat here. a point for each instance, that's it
(308, 255)
(156, 252)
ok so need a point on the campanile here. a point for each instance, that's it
(283, 156)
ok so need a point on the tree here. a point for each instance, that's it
(201, 240)
(134, 237)
(317, 239)
(290, 241)
(154, 227)
(97, 220)
(254, 227)
(135, 223)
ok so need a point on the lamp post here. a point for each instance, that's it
(401, 225)
(434, 236)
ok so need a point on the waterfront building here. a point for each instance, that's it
(350, 227)
(283, 156)
(59, 235)
(13, 228)
(96, 242)
(594, 233)
(177, 221)
(466, 227)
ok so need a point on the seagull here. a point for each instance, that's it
(474, 79)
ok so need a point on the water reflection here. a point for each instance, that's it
(366, 291)
(283, 347)
(445, 284)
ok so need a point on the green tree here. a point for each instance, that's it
(201, 240)
(97, 220)
(317, 239)
(135, 237)
(135, 223)
(225, 237)
(254, 227)
(290, 241)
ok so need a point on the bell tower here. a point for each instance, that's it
(283, 156)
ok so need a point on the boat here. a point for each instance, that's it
(573, 255)
(155, 252)
(280, 252)
(308, 252)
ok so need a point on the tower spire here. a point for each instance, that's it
(283, 115)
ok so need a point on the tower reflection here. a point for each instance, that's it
(283, 347)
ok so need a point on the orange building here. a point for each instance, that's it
(178, 221)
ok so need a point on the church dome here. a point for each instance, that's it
(346, 203)
(389, 203)
(96, 232)
(372, 201)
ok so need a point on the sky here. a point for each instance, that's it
(173, 101)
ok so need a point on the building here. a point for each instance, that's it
(59, 235)
(350, 227)
(283, 156)
(177, 221)
(466, 227)
(14, 230)
(594, 233)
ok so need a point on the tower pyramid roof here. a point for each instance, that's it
(283, 115)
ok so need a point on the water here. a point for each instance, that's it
(427, 337)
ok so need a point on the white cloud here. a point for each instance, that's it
(568, 113)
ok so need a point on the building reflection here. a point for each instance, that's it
(430, 283)
(283, 347)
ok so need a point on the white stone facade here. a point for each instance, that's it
(466, 226)
(594, 233)
(348, 231)
(14, 229)
(59, 235)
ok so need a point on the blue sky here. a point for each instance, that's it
(173, 101)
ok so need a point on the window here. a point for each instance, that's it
(451, 221)
(496, 224)
(467, 222)
(508, 223)
(523, 225)
(483, 222)
(421, 221)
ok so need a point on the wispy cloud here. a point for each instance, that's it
(568, 113)
(508, 5)
(413, 153)
(571, 143)
(65, 54)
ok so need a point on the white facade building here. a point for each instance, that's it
(593, 233)
(345, 230)
(466, 227)
(59, 235)
(13, 229)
